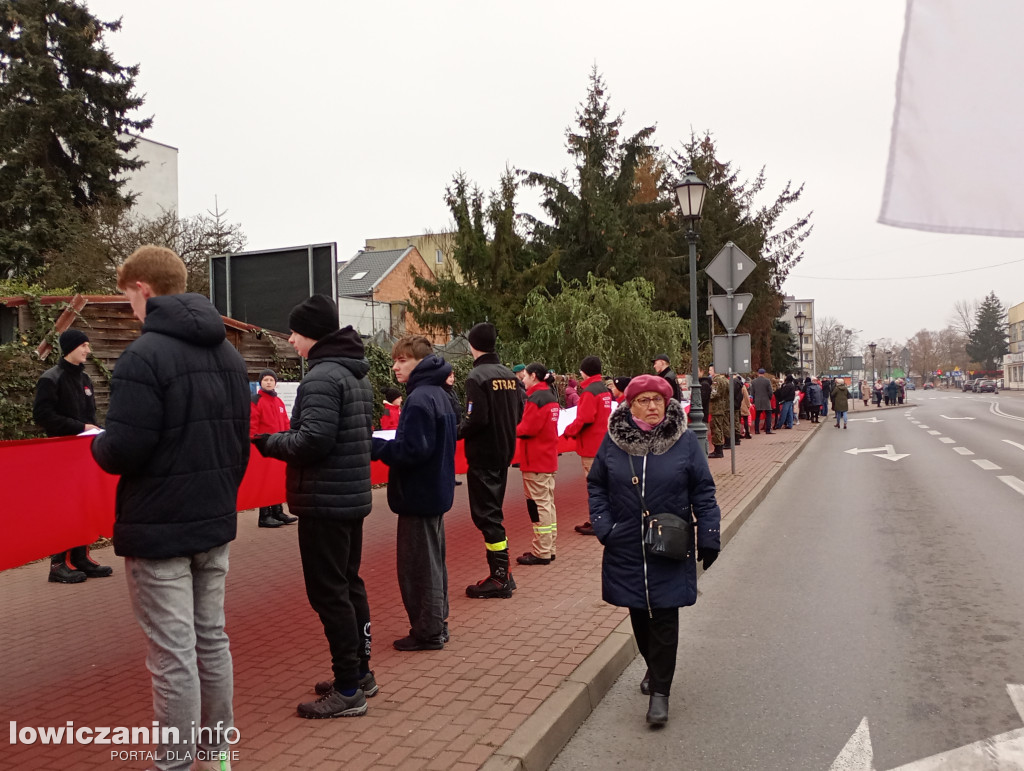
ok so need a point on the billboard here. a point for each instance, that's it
(262, 287)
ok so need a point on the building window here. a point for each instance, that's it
(438, 257)
(357, 276)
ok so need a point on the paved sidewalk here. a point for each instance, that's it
(517, 678)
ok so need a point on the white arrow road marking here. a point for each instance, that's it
(988, 465)
(962, 451)
(856, 755)
(1013, 482)
(949, 418)
(947, 440)
(1015, 444)
(890, 452)
(1001, 751)
(866, 420)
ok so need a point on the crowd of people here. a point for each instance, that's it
(181, 423)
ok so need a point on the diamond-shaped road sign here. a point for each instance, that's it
(730, 308)
(730, 267)
(740, 359)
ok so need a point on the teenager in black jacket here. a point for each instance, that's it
(65, 405)
(327, 483)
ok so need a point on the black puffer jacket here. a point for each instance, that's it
(65, 401)
(327, 448)
(177, 432)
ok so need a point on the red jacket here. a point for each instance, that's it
(538, 431)
(268, 415)
(592, 413)
(389, 420)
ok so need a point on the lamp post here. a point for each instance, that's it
(888, 364)
(872, 346)
(801, 320)
(690, 194)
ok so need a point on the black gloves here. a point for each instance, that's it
(260, 440)
(707, 557)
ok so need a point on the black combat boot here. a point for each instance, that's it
(267, 518)
(719, 452)
(82, 561)
(498, 583)
(61, 572)
(278, 513)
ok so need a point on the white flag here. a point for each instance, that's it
(956, 158)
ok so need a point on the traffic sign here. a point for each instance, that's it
(730, 309)
(730, 267)
(740, 360)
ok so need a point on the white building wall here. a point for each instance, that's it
(365, 317)
(156, 183)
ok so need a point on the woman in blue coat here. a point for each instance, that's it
(671, 470)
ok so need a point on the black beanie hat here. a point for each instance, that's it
(266, 372)
(391, 393)
(71, 339)
(315, 317)
(483, 336)
(591, 366)
(621, 383)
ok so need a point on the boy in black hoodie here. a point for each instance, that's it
(421, 489)
(327, 484)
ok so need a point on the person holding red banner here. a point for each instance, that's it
(268, 416)
(65, 405)
(591, 422)
(538, 445)
(177, 432)
(392, 409)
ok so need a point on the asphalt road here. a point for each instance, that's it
(864, 592)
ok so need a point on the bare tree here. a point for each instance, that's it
(964, 314)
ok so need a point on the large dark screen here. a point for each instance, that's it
(266, 285)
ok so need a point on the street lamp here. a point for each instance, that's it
(888, 364)
(872, 346)
(801, 320)
(690, 193)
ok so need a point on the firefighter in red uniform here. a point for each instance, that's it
(538, 460)
(591, 422)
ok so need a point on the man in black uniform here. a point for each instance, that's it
(65, 406)
(494, 404)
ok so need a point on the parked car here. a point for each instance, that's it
(911, 386)
(968, 385)
(987, 387)
(929, 386)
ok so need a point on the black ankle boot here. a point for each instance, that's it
(267, 518)
(657, 711)
(278, 513)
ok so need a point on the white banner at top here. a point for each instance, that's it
(956, 157)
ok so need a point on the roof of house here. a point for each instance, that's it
(360, 275)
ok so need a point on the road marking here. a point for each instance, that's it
(1013, 482)
(890, 453)
(994, 409)
(962, 451)
(923, 426)
(949, 418)
(947, 440)
(866, 420)
(933, 432)
(987, 465)
(1015, 444)
(1000, 751)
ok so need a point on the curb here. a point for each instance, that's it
(536, 743)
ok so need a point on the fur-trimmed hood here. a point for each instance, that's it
(628, 437)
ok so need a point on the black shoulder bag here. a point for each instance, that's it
(665, 535)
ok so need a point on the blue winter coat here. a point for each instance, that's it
(678, 481)
(814, 395)
(422, 454)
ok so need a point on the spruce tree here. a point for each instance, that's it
(988, 341)
(64, 130)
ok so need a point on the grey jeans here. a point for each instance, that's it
(423, 576)
(179, 603)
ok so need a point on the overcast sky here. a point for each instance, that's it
(316, 121)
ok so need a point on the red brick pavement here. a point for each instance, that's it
(75, 652)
